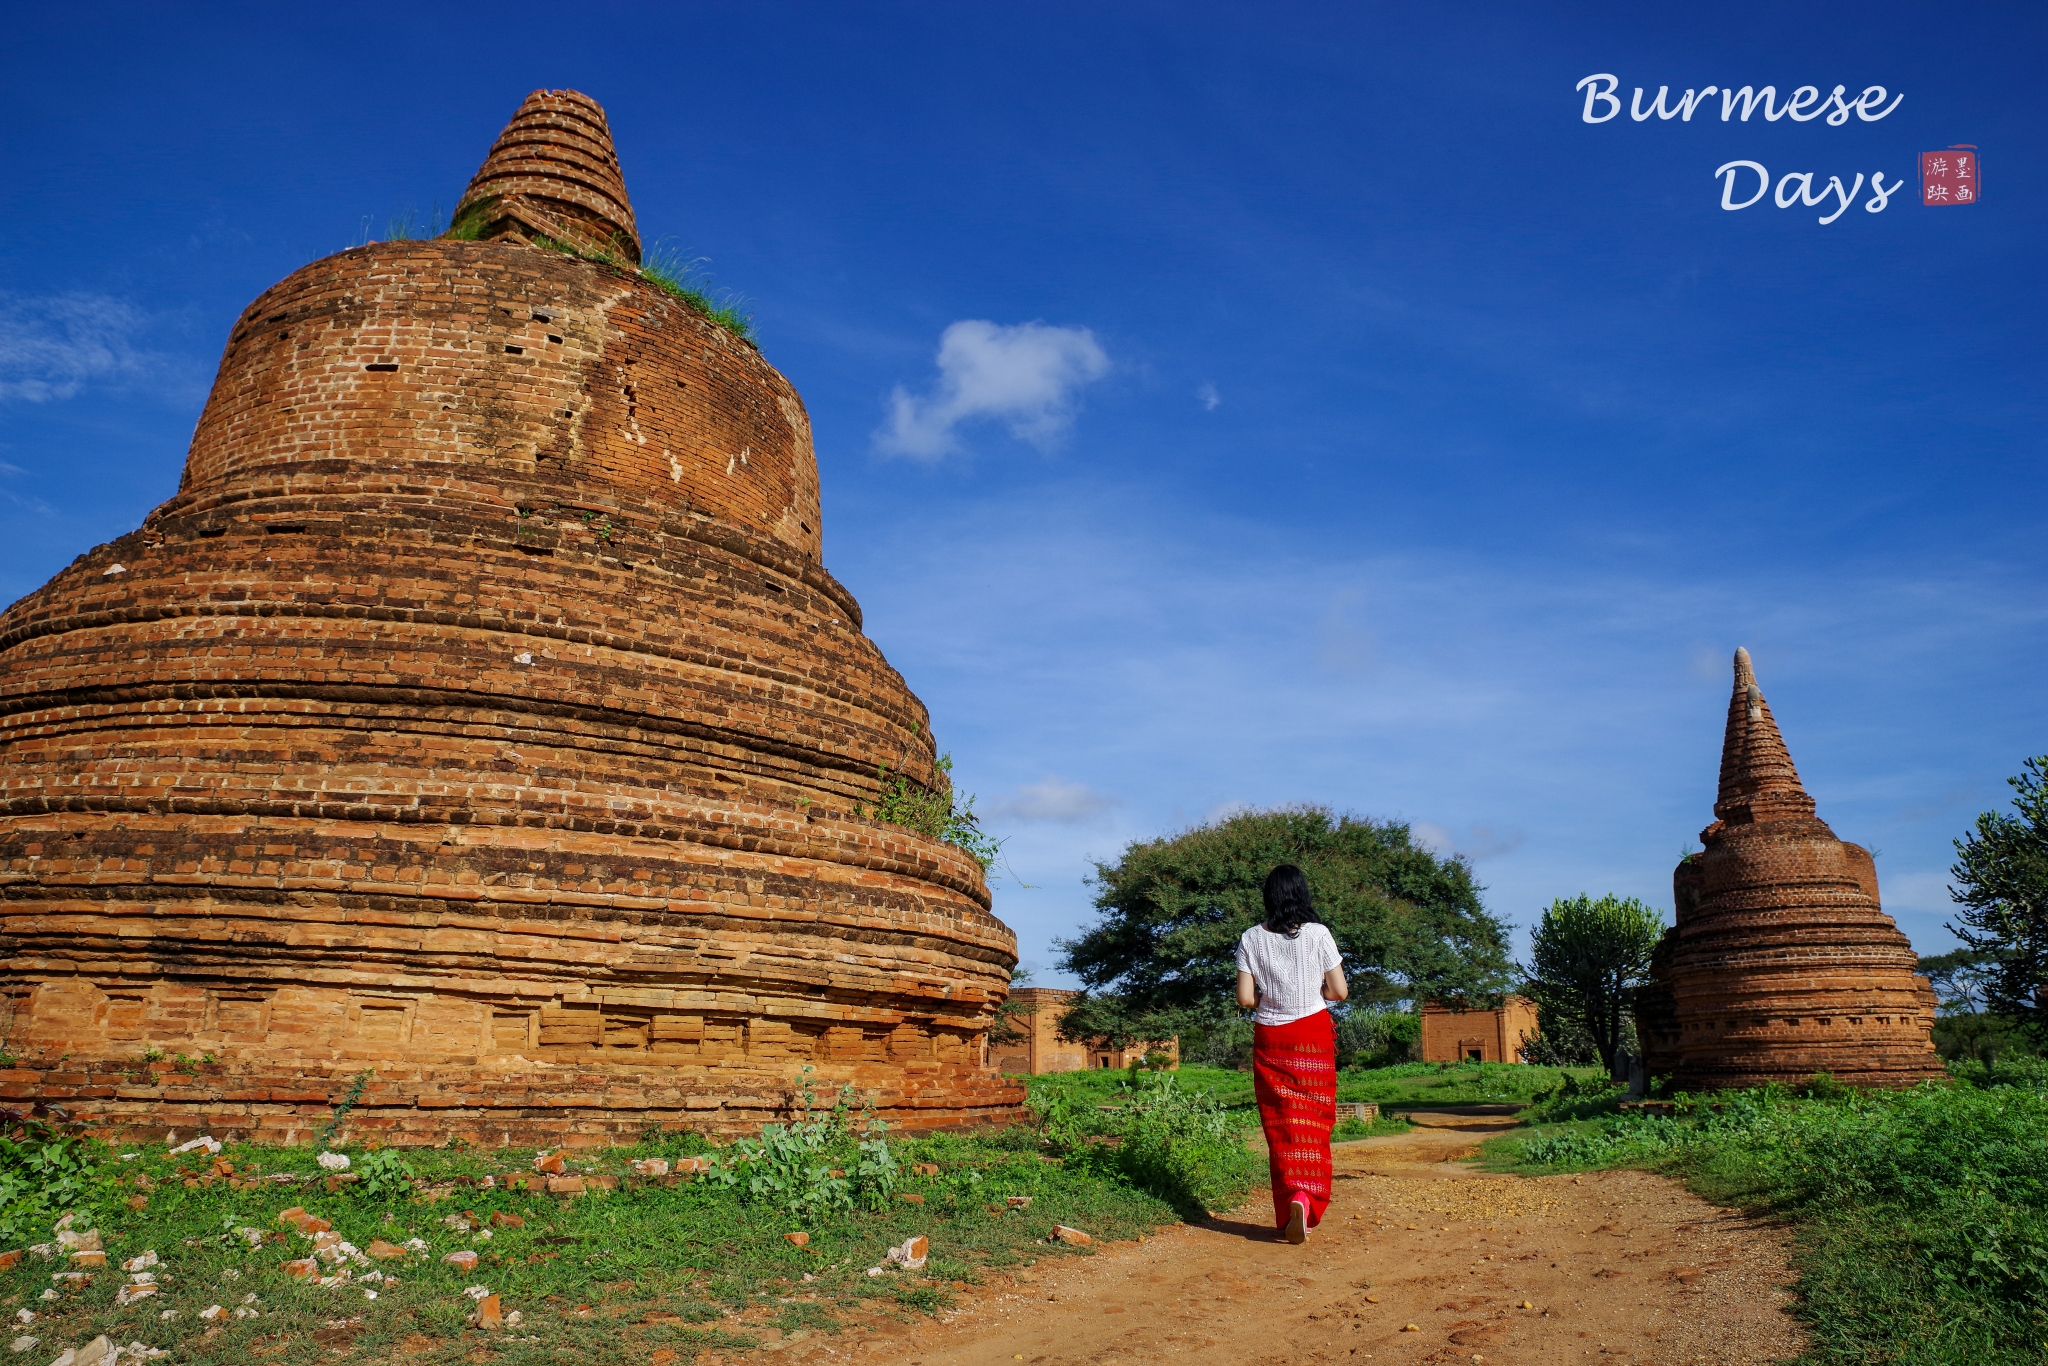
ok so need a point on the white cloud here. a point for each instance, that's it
(1051, 801)
(1027, 376)
(55, 346)
(1175, 658)
(1208, 398)
(1433, 837)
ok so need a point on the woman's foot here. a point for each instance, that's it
(1297, 1224)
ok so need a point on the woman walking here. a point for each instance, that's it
(1288, 970)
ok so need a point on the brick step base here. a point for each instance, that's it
(414, 1107)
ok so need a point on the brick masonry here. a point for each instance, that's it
(1451, 1035)
(1041, 1049)
(1782, 963)
(478, 712)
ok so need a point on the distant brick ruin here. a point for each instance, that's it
(479, 714)
(1781, 964)
(1036, 1047)
(1451, 1033)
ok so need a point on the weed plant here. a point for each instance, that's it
(1177, 1143)
(935, 812)
(607, 1277)
(1922, 1214)
(668, 270)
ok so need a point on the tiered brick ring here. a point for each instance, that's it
(1781, 964)
(478, 713)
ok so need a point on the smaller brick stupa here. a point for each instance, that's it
(1782, 964)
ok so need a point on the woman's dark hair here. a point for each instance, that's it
(1288, 906)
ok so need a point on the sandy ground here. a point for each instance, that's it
(1607, 1268)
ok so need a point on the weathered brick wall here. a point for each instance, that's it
(478, 713)
(453, 362)
(1783, 963)
(1499, 1035)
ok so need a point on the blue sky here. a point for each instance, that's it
(1216, 404)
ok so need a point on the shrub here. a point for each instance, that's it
(1375, 1036)
(1574, 1099)
(1180, 1145)
(813, 1167)
(45, 1173)
(935, 812)
(385, 1175)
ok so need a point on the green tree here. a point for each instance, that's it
(1589, 955)
(1959, 978)
(1013, 1018)
(2001, 881)
(1163, 956)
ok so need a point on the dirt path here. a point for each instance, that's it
(1608, 1268)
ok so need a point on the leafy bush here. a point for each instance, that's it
(813, 1167)
(1375, 1036)
(935, 812)
(1225, 1043)
(385, 1175)
(1575, 1098)
(45, 1173)
(1180, 1145)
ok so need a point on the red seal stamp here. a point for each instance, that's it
(1951, 177)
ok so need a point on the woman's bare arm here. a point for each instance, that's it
(1335, 988)
(1248, 991)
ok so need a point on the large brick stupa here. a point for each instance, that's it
(1782, 963)
(478, 714)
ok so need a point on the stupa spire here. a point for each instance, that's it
(553, 173)
(1758, 781)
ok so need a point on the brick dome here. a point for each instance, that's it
(1782, 963)
(478, 713)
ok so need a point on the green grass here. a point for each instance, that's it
(1444, 1083)
(1414, 1083)
(1351, 1130)
(1921, 1216)
(1111, 1086)
(672, 271)
(598, 1278)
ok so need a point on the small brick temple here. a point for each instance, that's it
(478, 715)
(1451, 1034)
(1781, 964)
(1038, 1047)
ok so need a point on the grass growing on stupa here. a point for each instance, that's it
(678, 274)
(606, 1276)
(1921, 1215)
